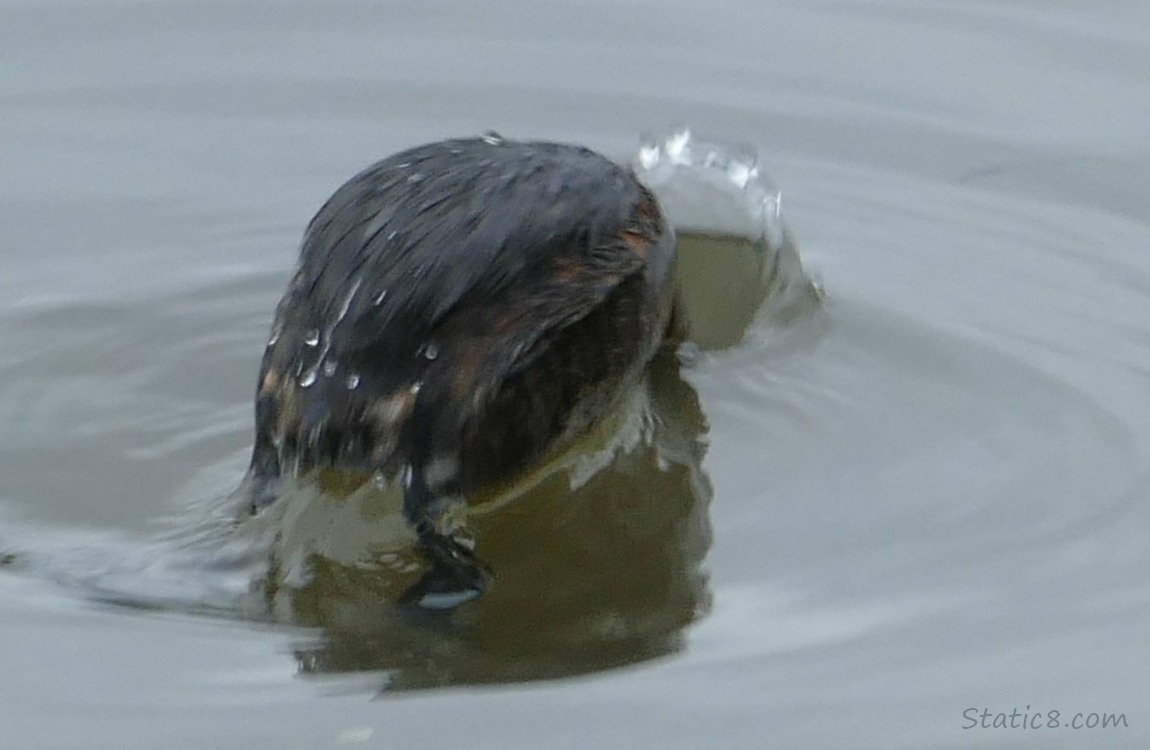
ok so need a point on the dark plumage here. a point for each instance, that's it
(460, 310)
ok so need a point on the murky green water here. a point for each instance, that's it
(846, 528)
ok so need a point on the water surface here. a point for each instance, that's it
(926, 497)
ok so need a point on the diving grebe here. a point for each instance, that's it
(460, 311)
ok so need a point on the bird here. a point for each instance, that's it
(460, 311)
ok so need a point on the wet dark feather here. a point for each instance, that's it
(510, 283)
(432, 231)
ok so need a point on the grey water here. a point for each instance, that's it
(858, 526)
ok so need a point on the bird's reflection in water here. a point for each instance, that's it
(597, 561)
(597, 558)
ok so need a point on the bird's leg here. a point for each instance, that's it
(456, 575)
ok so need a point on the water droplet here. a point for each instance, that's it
(649, 155)
(346, 304)
(818, 286)
(403, 165)
(431, 350)
(379, 298)
(678, 146)
(414, 389)
(379, 480)
(307, 378)
(492, 138)
(352, 382)
(741, 173)
(415, 177)
(277, 330)
(329, 367)
(311, 338)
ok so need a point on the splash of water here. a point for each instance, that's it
(712, 187)
(738, 263)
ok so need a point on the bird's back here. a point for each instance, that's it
(463, 306)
